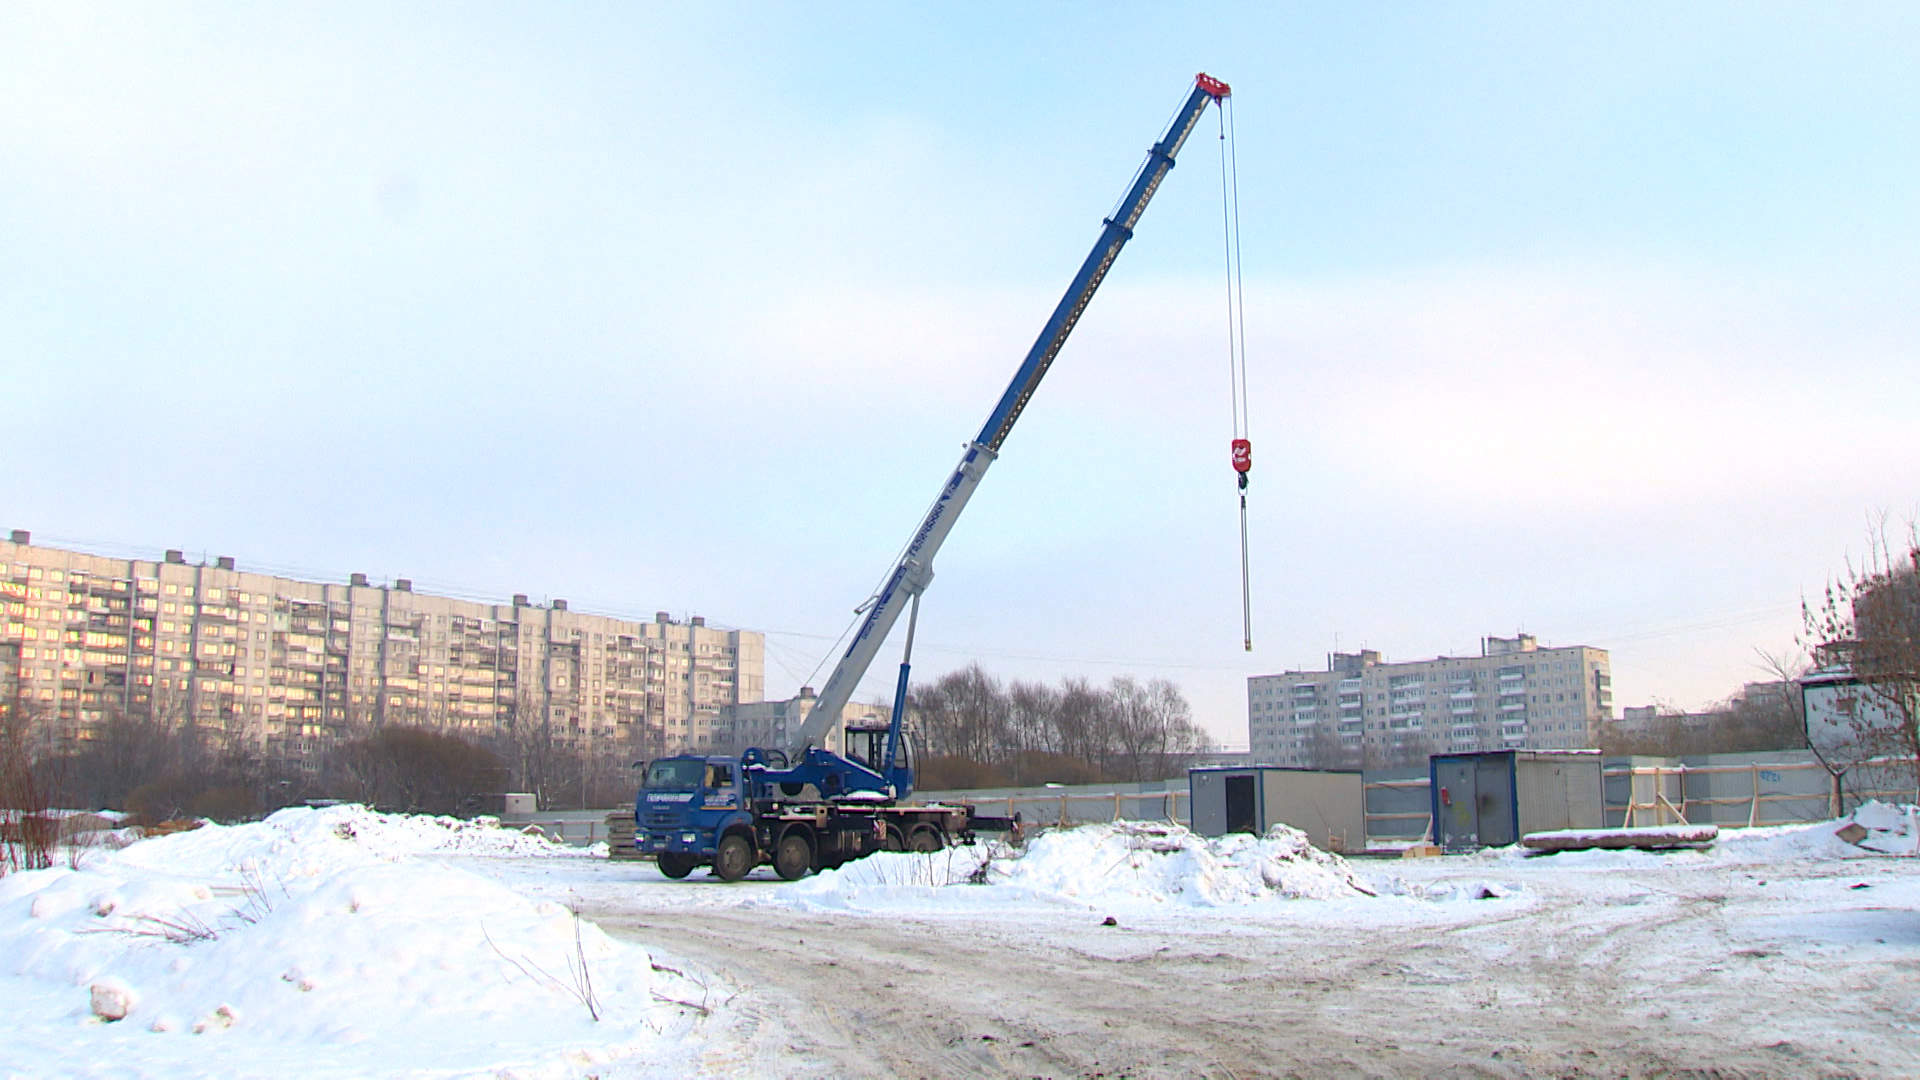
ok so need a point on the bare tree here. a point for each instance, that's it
(1414, 749)
(1084, 723)
(26, 833)
(1864, 633)
(416, 770)
(1031, 729)
(1326, 750)
(963, 714)
(533, 755)
(1153, 726)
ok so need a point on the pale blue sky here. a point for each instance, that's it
(1595, 321)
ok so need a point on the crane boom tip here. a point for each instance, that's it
(1214, 87)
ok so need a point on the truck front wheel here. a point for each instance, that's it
(733, 858)
(794, 857)
(676, 866)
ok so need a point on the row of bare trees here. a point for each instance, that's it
(1765, 716)
(159, 769)
(975, 731)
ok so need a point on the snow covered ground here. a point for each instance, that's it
(335, 942)
(1777, 952)
(345, 943)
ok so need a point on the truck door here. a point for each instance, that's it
(1242, 810)
(719, 792)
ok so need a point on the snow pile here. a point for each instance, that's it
(301, 842)
(1167, 863)
(1889, 830)
(312, 944)
(1128, 864)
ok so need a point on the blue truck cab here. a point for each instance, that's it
(686, 807)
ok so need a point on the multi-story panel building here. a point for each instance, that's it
(1365, 711)
(293, 664)
(773, 723)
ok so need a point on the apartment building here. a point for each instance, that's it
(1365, 711)
(291, 665)
(773, 723)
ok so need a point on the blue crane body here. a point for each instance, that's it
(806, 807)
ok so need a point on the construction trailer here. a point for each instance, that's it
(1493, 798)
(1329, 805)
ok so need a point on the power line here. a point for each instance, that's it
(970, 650)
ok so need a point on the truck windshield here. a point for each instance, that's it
(678, 775)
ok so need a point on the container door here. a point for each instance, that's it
(1241, 811)
(1207, 801)
(1493, 785)
(1455, 823)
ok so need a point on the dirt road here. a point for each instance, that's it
(1644, 977)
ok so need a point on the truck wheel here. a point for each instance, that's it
(895, 839)
(794, 857)
(676, 866)
(733, 858)
(925, 838)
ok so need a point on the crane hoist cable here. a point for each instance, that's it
(1236, 345)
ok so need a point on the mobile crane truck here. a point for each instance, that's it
(806, 807)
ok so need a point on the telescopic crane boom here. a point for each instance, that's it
(914, 571)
